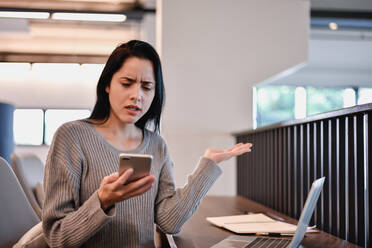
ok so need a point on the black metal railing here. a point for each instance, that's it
(288, 156)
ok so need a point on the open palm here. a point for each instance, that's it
(219, 155)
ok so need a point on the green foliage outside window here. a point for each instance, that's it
(275, 104)
(321, 100)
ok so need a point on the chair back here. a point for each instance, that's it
(17, 215)
(29, 170)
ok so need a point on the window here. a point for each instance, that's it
(37, 126)
(280, 103)
(320, 100)
(28, 126)
(54, 118)
(275, 104)
(365, 95)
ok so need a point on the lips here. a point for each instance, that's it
(133, 109)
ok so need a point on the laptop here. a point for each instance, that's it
(236, 241)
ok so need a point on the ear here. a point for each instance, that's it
(107, 89)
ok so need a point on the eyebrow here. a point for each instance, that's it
(132, 80)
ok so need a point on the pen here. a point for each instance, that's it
(275, 216)
(269, 234)
(274, 234)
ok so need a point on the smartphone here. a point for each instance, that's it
(140, 163)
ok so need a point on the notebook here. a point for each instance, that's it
(251, 242)
(252, 223)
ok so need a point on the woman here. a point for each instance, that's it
(87, 202)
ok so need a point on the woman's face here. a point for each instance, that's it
(131, 90)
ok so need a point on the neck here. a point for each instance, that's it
(125, 131)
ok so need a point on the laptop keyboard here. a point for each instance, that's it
(267, 242)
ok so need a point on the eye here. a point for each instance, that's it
(147, 88)
(126, 85)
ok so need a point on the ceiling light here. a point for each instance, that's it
(333, 26)
(89, 17)
(22, 14)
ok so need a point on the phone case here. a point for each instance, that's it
(140, 163)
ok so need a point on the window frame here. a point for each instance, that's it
(44, 123)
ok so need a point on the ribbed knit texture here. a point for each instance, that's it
(79, 158)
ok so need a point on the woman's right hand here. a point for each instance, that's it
(113, 188)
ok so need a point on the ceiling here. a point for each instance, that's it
(39, 40)
(77, 5)
(35, 40)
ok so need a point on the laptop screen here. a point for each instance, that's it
(307, 211)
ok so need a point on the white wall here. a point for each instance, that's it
(213, 52)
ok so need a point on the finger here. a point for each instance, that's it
(240, 151)
(123, 178)
(243, 147)
(110, 178)
(235, 146)
(139, 191)
(130, 187)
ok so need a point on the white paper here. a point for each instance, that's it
(252, 223)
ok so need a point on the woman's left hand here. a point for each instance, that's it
(218, 155)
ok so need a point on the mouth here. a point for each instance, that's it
(133, 107)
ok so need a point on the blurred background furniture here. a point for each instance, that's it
(17, 215)
(29, 170)
(6, 130)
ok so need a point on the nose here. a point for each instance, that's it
(136, 93)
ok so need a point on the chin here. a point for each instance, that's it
(129, 120)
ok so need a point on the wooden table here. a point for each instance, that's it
(197, 232)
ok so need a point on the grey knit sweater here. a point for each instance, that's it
(79, 158)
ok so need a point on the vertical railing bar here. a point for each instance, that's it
(330, 179)
(263, 169)
(366, 182)
(338, 156)
(280, 172)
(255, 154)
(272, 169)
(256, 164)
(316, 164)
(353, 184)
(301, 172)
(346, 187)
(341, 176)
(239, 188)
(308, 156)
(289, 178)
(360, 162)
(251, 165)
(321, 141)
(311, 163)
(285, 170)
(355, 133)
(294, 166)
(275, 164)
(266, 172)
(247, 161)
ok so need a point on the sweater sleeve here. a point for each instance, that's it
(66, 222)
(173, 207)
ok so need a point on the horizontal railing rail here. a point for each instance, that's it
(288, 156)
